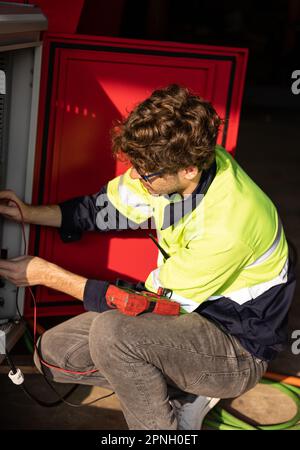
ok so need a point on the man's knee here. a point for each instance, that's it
(107, 327)
(109, 333)
(51, 348)
(42, 354)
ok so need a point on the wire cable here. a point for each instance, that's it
(220, 419)
(61, 399)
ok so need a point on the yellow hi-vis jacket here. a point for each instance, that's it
(215, 248)
(225, 242)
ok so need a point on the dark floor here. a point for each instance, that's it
(268, 149)
(262, 405)
(17, 411)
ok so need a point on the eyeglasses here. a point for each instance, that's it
(150, 175)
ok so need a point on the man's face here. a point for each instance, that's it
(183, 182)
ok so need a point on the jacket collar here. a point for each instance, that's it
(178, 209)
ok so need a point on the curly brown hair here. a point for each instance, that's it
(171, 130)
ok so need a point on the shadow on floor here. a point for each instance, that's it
(17, 411)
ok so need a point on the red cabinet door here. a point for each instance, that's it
(87, 84)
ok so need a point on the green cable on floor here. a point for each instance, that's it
(220, 419)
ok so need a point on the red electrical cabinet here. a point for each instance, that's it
(88, 83)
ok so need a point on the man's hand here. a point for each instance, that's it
(24, 270)
(9, 209)
(32, 270)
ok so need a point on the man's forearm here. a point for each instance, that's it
(32, 270)
(49, 215)
(64, 281)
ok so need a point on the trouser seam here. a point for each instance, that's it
(142, 388)
(243, 357)
(146, 396)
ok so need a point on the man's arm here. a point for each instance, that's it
(121, 204)
(49, 215)
(32, 270)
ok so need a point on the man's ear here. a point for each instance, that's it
(189, 173)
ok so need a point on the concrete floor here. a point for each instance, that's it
(262, 405)
(267, 149)
(17, 411)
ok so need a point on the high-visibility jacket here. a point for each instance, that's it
(227, 251)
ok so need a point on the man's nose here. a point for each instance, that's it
(134, 174)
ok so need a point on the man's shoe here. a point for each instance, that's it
(190, 415)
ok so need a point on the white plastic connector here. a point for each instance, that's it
(16, 378)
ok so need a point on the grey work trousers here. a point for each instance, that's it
(143, 358)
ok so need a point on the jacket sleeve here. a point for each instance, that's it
(94, 297)
(79, 214)
(122, 204)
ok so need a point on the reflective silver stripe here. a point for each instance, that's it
(187, 304)
(248, 293)
(239, 296)
(155, 279)
(271, 250)
(130, 199)
(245, 294)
